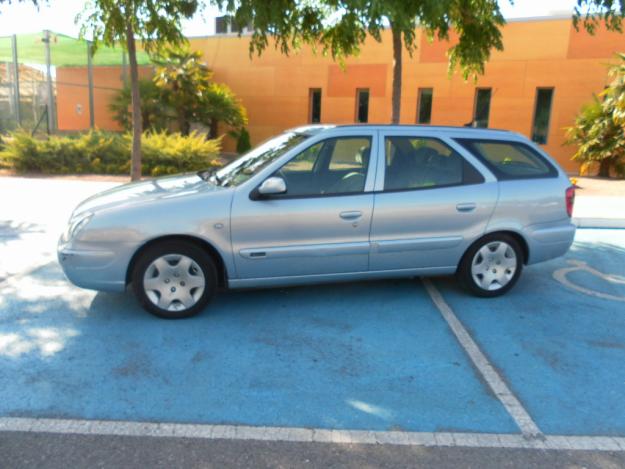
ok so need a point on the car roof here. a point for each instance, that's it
(434, 129)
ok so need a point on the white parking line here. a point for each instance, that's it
(500, 389)
(308, 435)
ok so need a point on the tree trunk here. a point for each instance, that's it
(183, 123)
(213, 128)
(604, 168)
(137, 118)
(397, 66)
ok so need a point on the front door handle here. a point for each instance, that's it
(352, 215)
(466, 207)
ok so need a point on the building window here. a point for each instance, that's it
(424, 106)
(481, 109)
(222, 25)
(362, 105)
(226, 25)
(542, 115)
(314, 106)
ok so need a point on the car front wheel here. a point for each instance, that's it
(491, 266)
(174, 279)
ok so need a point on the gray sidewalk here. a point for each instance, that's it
(599, 211)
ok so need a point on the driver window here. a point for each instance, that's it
(332, 166)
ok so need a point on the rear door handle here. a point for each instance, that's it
(352, 215)
(466, 207)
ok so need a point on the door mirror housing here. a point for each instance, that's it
(271, 186)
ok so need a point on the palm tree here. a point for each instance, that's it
(188, 88)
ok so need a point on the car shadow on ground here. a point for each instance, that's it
(11, 230)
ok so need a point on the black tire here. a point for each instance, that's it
(464, 274)
(184, 248)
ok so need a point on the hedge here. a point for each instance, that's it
(99, 152)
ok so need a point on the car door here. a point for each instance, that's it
(430, 202)
(321, 224)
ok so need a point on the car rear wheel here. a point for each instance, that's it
(491, 266)
(174, 279)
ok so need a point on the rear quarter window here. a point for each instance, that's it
(510, 160)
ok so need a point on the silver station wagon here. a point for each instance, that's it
(328, 203)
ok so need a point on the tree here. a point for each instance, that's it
(340, 27)
(154, 113)
(187, 87)
(599, 129)
(242, 137)
(614, 95)
(154, 22)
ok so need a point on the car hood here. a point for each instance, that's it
(146, 191)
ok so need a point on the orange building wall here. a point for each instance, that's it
(275, 88)
(537, 53)
(72, 96)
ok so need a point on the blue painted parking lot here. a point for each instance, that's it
(561, 350)
(364, 356)
(369, 356)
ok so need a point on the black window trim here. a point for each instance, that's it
(465, 142)
(360, 91)
(383, 138)
(311, 92)
(475, 99)
(257, 196)
(553, 93)
(420, 101)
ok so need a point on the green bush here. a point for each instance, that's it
(108, 153)
(243, 142)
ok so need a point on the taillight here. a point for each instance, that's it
(570, 200)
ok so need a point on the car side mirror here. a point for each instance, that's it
(272, 186)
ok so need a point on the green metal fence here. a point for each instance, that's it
(28, 76)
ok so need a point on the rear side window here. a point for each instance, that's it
(422, 163)
(510, 160)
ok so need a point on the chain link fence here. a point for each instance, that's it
(52, 83)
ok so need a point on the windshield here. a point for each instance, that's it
(255, 160)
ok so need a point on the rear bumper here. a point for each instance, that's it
(92, 269)
(548, 241)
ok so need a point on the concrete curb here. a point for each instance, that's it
(600, 223)
(309, 435)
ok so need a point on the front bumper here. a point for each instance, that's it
(92, 269)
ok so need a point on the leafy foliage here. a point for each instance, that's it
(187, 87)
(340, 27)
(154, 112)
(599, 130)
(155, 22)
(108, 153)
(591, 13)
(614, 95)
(242, 136)
(174, 153)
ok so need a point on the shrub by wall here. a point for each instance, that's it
(100, 152)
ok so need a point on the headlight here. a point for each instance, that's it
(76, 224)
